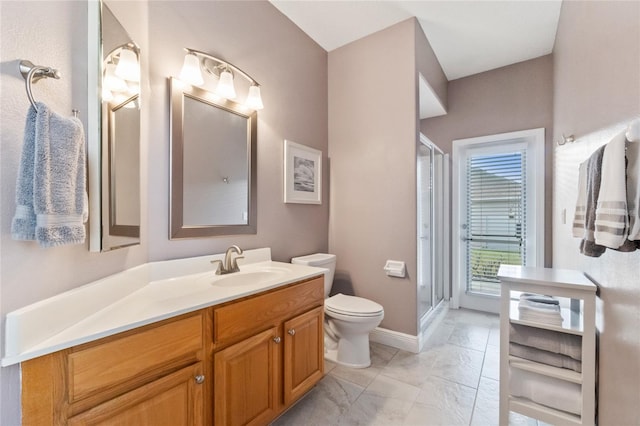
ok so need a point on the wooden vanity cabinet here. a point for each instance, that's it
(154, 375)
(268, 352)
(239, 363)
(303, 353)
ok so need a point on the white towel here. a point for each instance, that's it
(59, 192)
(581, 202)
(612, 220)
(23, 225)
(633, 179)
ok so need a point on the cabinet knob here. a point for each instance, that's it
(199, 379)
(292, 332)
(277, 339)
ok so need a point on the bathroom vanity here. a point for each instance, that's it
(239, 360)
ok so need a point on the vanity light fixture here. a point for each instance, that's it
(225, 88)
(195, 61)
(191, 70)
(121, 74)
(112, 82)
(128, 67)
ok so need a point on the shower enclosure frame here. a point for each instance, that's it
(432, 268)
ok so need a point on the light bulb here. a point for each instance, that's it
(191, 70)
(133, 88)
(107, 96)
(128, 67)
(225, 86)
(111, 82)
(254, 100)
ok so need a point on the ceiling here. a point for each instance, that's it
(468, 37)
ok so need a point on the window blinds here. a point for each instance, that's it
(496, 206)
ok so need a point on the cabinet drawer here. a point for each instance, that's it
(236, 320)
(134, 357)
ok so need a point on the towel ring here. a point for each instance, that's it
(32, 73)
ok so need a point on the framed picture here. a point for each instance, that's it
(302, 174)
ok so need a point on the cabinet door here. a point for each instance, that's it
(245, 384)
(303, 353)
(174, 400)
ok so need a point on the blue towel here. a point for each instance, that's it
(52, 206)
(23, 225)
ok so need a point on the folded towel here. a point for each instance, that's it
(540, 318)
(545, 313)
(612, 219)
(581, 202)
(547, 340)
(588, 246)
(633, 189)
(539, 298)
(548, 391)
(23, 225)
(544, 357)
(59, 179)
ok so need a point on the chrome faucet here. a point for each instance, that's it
(230, 263)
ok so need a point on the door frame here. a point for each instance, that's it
(535, 142)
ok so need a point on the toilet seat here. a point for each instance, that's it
(352, 306)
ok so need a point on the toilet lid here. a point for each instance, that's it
(352, 305)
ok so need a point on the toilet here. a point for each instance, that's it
(348, 319)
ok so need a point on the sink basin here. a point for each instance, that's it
(246, 278)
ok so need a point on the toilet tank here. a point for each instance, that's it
(320, 260)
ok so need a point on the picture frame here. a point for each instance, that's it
(302, 174)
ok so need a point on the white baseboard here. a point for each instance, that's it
(407, 342)
(395, 339)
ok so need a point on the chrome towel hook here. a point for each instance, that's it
(32, 73)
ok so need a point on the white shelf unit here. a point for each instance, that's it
(578, 319)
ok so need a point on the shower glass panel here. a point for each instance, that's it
(438, 227)
(425, 228)
(430, 187)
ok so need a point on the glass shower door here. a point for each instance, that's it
(431, 233)
(425, 228)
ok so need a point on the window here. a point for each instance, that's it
(496, 201)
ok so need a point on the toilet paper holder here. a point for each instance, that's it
(395, 268)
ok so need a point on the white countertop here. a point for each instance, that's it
(138, 296)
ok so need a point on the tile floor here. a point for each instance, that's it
(453, 381)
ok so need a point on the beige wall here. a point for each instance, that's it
(47, 33)
(291, 68)
(427, 64)
(372, 143)
(507, 99)
(597, 91)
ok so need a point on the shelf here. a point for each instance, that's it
(577, 296)
(558, 278)
(572, 322)
(542, 412)
(545, 370)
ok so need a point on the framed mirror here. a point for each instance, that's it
(124, 168)
(213, 164)
(114, 133)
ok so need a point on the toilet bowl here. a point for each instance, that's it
(348, 319)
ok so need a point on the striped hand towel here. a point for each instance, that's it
(633, 180)
(612, 218)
